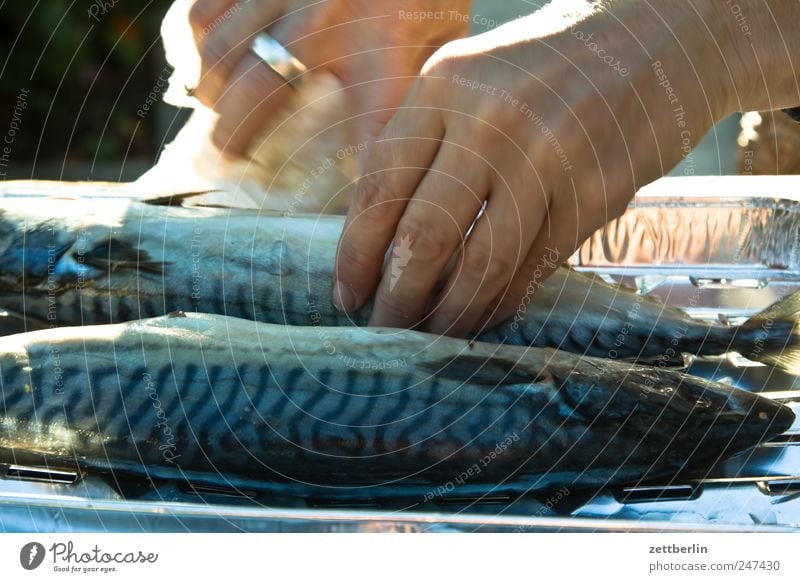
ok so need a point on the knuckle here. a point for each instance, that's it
(482, 264)
(214, 53)
(208, 51)
(426, 241)
(393, 307)
(373, 192)
(352, 259)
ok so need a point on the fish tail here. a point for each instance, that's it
(773, 335)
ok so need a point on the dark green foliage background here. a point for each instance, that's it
(86, 80)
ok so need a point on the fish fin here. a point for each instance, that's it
(114, 254)
(493, 371)
(172, 198)
(785, 308)
(774, 334)
(12, 323)
(788, 360)
(153, 267)
(111, 265)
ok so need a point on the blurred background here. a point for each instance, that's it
(85, 69)
(86, 77)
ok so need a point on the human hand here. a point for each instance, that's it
(374, 49)
(545, 127)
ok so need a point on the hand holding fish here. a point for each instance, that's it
(516, 145)
(373, 48)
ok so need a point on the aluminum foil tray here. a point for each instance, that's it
(713, 246)
(710, 228)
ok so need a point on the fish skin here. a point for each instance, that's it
(221, 400)
(581, 313)
(121, 260)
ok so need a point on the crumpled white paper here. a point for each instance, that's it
(301, 163)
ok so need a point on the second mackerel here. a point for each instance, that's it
(356, 413)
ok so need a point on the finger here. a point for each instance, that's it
(394, 74)
(227, 43)
(204, 13)
(374, 100)
(397, 163)
(569, 223)
(253, 95)
(555, 242)
(430, 231)
(491, 256)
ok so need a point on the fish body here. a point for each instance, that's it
(349, 412)
(77, 262)
(581, 313)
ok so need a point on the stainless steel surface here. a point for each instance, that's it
(662, 247)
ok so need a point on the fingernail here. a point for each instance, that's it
(344, 298)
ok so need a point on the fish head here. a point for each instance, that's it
(730, 418)
(656, 421)
(30, 248)
(66, 244)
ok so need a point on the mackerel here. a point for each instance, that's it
(77, 262)
(356, 413)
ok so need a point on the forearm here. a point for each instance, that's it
(765, 46)
(745, 53)
(737, 55)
